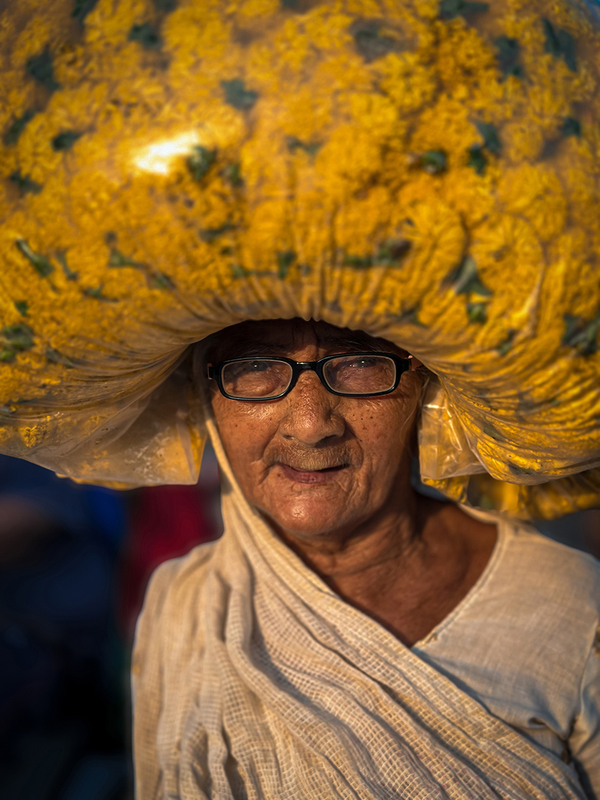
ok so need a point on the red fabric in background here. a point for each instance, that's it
(165, 522)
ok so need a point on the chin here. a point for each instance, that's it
(309, 525)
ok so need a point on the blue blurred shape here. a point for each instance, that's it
(97, 777)
(594, 6)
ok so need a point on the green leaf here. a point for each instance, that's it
(491, 431)
(506, 346)
(552, 42)
(241, 272)
(18, 337)
(89, 291)
(369, 43)
(147, 35)
(477, 312)
(39, 262)
(41, 68)
(517, 470)
(15, 339)
(508, 56)
(567, 44)
(411, 315)
(581, 334)
(82, 9)
(238, 271)
(466, 280)
(434, 161)
(55, 357)
(22, 307)
(285, 261)
(466, 270)
(16, 129)
(165, 6)
(97, 294)
(476, 287)
(162, 281)
(25, 184)
(572, 325)
(200, 161)
(65, 140)
(357, 262)
(210, 234)
(391, 253)
(490, 137)
(561, 44)
(237, 95)
(117, 259)
(570, 127)
(232, 174)
(477, 159)
(449, 9)
(293, 144)
(69, 274)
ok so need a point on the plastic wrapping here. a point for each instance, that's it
(425, 171)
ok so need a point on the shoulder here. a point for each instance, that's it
(175, 584)
(164, 648)
(169, 617)
(560, 574)
(542, 598)
(173, 602)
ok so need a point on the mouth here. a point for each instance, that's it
(312, 476)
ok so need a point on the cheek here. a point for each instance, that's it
(383, 428)
(245, 430)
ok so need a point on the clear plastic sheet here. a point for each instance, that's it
(449, 462)
(423, 170)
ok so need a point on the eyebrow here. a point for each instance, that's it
(254, 348)
(356, 341)
(257, 347)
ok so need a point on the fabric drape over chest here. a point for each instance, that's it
(292, 693)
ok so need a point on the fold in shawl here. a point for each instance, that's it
(253, 679)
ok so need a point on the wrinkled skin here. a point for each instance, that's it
(332, 476)
(278, 449)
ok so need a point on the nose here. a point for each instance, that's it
(312, 413)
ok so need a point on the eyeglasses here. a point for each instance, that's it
(346, 375)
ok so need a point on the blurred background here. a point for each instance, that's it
(74, 564)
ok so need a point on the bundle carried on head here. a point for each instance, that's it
(425, 171)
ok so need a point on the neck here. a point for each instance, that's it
(407, 569)
(385, 546)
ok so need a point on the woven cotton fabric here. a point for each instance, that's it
(253, 679)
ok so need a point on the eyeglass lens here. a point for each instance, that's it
(263, 377)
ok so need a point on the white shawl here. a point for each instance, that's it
(252, 679)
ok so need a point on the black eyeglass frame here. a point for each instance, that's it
(215, 373)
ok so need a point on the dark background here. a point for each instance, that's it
(74, 564)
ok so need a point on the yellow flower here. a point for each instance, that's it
(423, 175)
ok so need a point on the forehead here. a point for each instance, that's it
(285, 336)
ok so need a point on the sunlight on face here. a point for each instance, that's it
(312, 462)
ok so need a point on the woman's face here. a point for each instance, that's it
(313, 463)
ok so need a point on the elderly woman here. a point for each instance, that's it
(423, 170)
(348, 637)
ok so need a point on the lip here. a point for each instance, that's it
(313, 477)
